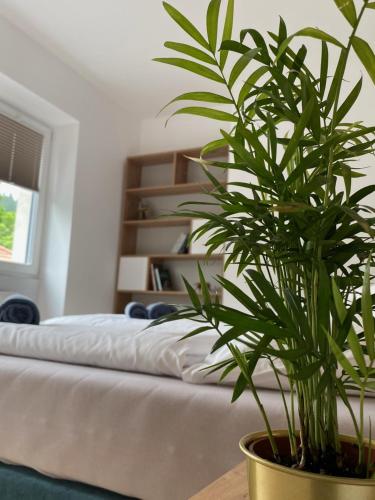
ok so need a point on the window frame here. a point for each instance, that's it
(36, 228)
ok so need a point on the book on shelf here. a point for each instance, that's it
(165, 278)
(153, 277)
(182, 244)
(158, 280)
(161, 278)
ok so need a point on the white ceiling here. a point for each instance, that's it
(112, 42)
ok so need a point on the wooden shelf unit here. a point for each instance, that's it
(134, 191)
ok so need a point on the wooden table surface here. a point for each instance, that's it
(231, 486)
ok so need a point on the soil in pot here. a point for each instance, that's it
(327, 464)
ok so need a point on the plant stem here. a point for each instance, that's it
(271, 438)
(291, 432)
(361, 457)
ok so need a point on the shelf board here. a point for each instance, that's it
(186, 256)
(160, 222)
(185, 188)
(179, 293)
(180, 256)
(169, 156)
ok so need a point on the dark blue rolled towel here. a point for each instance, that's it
(159, 309)
(136, 310)
(19, 309)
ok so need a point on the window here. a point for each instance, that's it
(23, 150)
(16, 223)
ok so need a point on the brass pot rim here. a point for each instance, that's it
(255, 436)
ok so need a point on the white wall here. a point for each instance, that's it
(79, 258)
(54, 269)
(180, 133)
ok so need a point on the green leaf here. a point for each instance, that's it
(345, 364)
(365, 54)
(240, 295)
(355, 216)
(250, 82)
(323, 69)
(194, 67)
(367, 317)
(339, 303)
(324, 303)
(286, 88)
(361, 194)
(231, 365)
(371, 5)
(244, 324)
(240, 387)
(348, 103)
(353, 341)
(227, 33)
(308, 371)
(190, 51)
(256, 167)
(290, 354)
(320, 35)
(201, 96)
(347, 8)
(233, 46)
(347, 175)
(259, 42)
(311, 33)
(214, 114)
(195, 332)
(212, 22)
(193, 296)
(343, 395)
(336, 82)
(299, 314)
(213, 146)
(255, 143)
(186, 25)
(357, 351)
(204, 287)
(298, 134)
(273, 298)
(241, 64)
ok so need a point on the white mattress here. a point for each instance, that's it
(155, 438)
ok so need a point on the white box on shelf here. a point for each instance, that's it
(199, 246)
(133, 273)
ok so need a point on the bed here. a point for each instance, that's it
(148, 436)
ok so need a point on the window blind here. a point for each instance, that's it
(20, 153)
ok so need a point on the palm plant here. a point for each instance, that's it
(298, 232)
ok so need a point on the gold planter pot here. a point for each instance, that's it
(269, 481)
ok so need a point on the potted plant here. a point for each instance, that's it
(301, 237)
